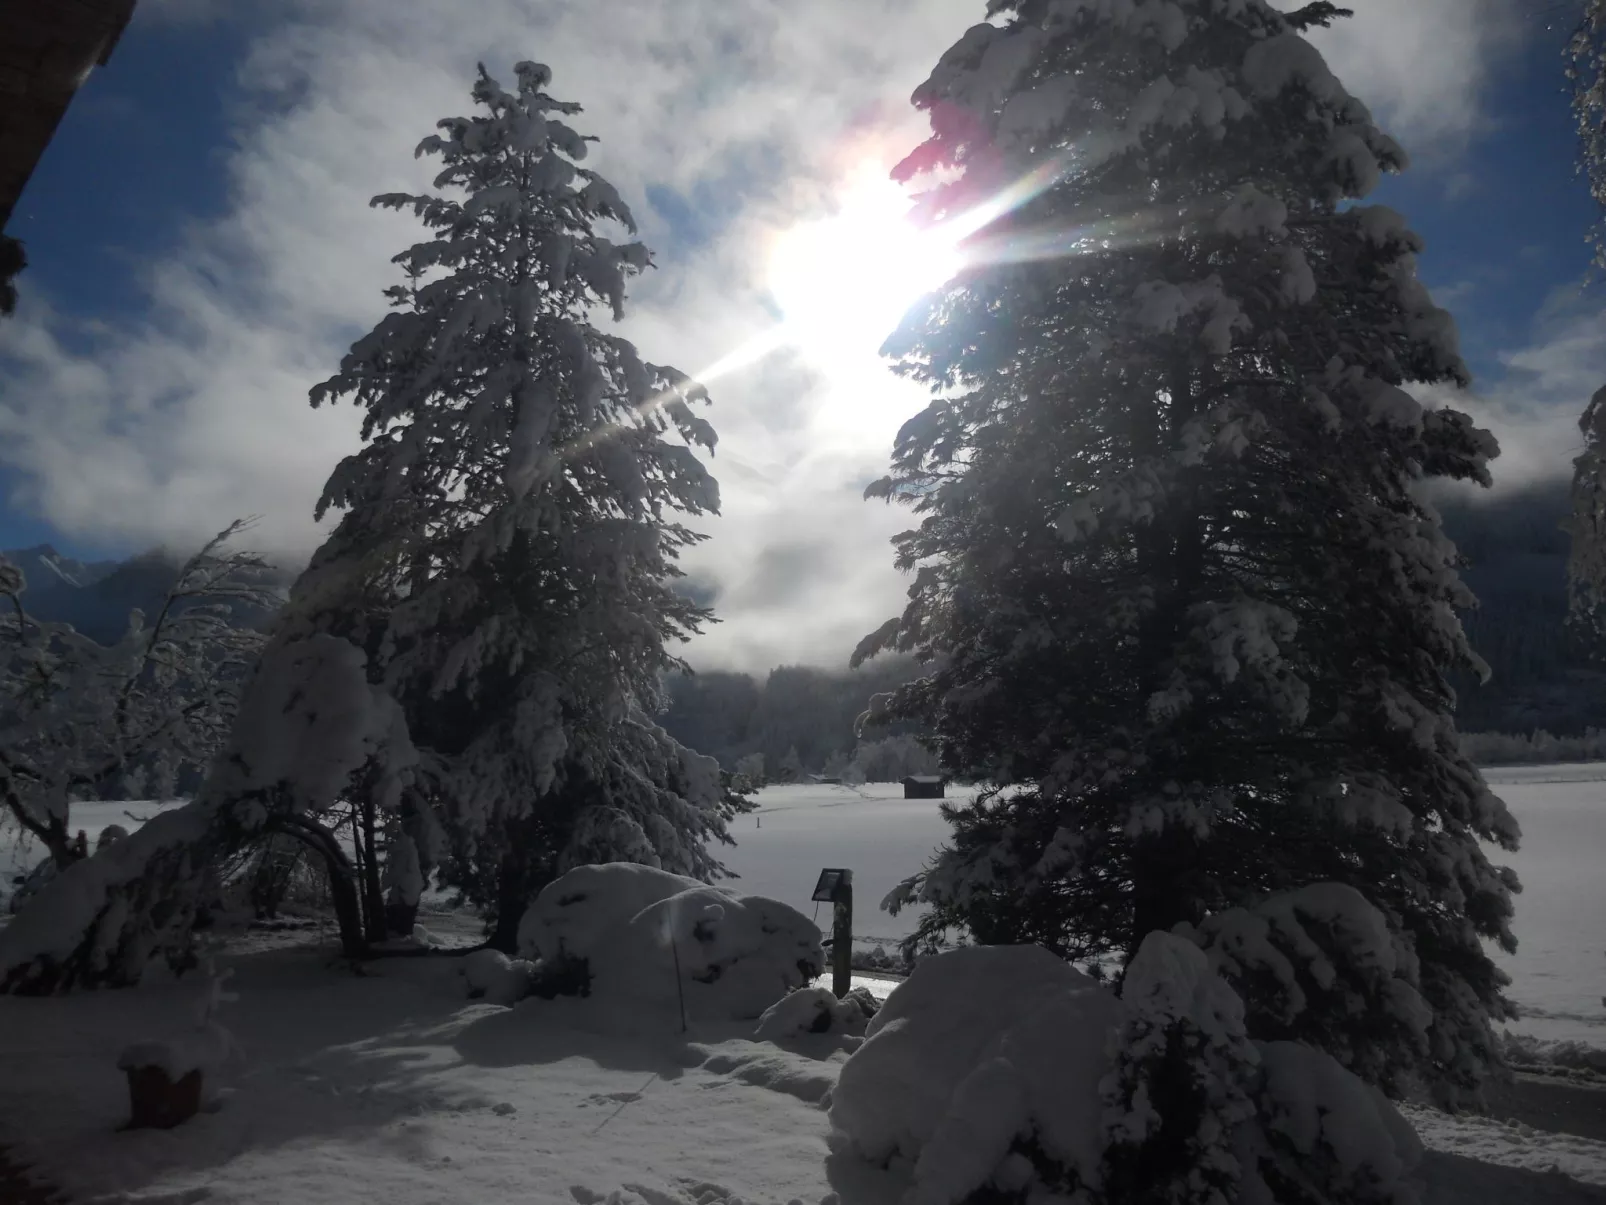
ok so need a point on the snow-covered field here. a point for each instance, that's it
(18, 852)
(873, 830)
(1559, 971)
(394, 1087)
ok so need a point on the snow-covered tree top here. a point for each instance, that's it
(1017, 96)
(492, 401)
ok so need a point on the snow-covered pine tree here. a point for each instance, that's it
(507, 552)
(1179, 589)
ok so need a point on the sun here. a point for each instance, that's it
(843, 282)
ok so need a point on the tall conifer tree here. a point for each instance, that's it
(507, 552)
(1173, 571)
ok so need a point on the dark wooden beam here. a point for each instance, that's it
(47, 49)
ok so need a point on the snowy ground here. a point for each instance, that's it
(1559, 971)
(393, 1087)
(797, 831)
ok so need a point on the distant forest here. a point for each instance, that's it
(1514, 543)
(1543, 677)
(1516, 550)
(795, 712)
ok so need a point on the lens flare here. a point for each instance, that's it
(843, 282)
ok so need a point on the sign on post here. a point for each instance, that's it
(835, 887)
(825, 889)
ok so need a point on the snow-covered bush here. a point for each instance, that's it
(931, 1076)
(1003, 1074)
(308, 720)
(1323, 964)
(78, 718)
(815, 1010)
(649, 939)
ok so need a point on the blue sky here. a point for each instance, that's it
(201, 251)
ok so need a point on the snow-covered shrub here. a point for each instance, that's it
(1323, 964)
(1002, 1074)
(952, 1071)
(494, 977)
(649, 938)
(572, 914)
(78, 718)
(815, 1010)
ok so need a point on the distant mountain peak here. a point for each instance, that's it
(45, 568)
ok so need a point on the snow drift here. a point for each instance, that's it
(816, 1010)
(643, 937)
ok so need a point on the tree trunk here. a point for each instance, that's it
(1164, 893)
(1171, 549)
(511, 899)
(373, 896)
(342, 879)
(400, 917)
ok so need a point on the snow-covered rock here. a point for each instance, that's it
(494, 977)
(651, 940)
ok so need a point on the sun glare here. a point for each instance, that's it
(843, 282)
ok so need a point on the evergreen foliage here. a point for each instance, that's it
(506, 555)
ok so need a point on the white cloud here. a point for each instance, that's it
(166, 427)
(1422, 66)
(1534, 406)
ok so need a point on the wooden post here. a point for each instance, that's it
(842, 936)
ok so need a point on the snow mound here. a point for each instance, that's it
(574, 913)
(814, 1010)
(953, 1064)
(1005, 1069)
(494, 977)
(651, 942)
(763, 1066)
